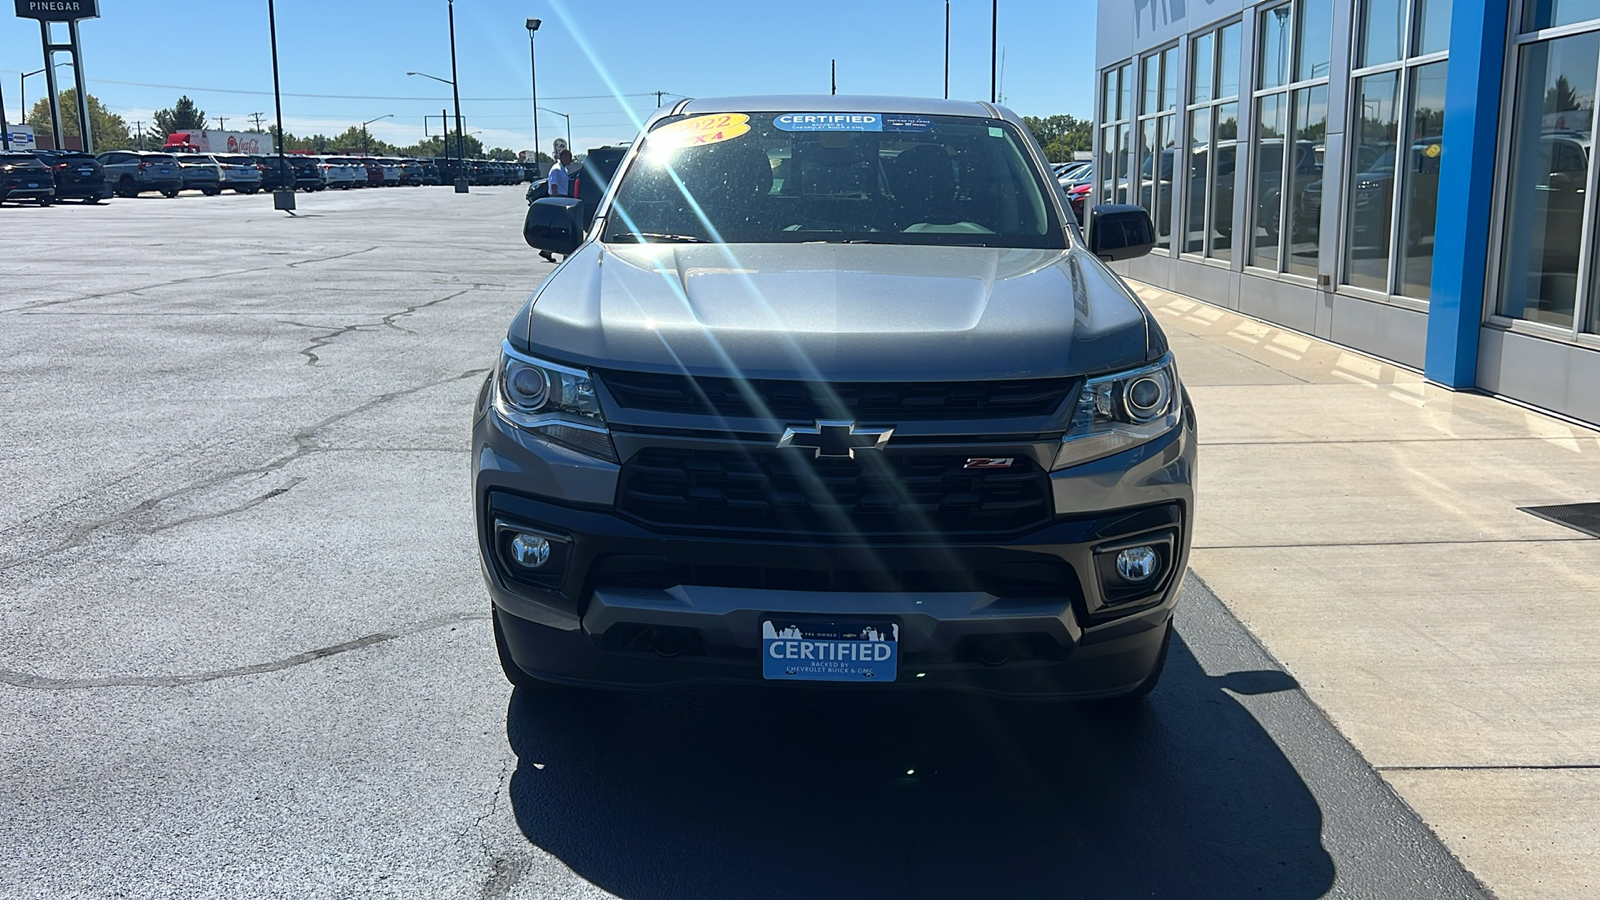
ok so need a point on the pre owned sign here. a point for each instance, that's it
(58, 10)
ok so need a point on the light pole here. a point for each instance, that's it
(283, 198)
(22, 90)
(533, 61)
(947, 49)
(994, 53)
(461, 153)
(366, 139)
(461, 140)
(564, 116)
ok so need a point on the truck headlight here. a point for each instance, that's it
(557, 402)
(1121, 411)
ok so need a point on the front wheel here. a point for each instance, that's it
(94, 199)
(126, 188)
(514, 673)
(169, 194)
(211, 192)
(45, 201)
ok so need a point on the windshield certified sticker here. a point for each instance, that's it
(701, 130)
(907, 123)
(828, 122)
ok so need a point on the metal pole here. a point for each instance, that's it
(833, 78)
(455, 87)
(59, 137)
(5, 130)
(283, 198)
(947, 49)
(84, 129)
(994, 53)
(533, 61)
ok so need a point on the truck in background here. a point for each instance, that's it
(202, 141)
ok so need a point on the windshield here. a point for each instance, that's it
(836, 177)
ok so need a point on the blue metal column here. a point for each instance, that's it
(1466, 175)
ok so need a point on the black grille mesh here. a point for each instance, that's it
(780, 492)
(862, 401)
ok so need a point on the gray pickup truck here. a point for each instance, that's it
(834, 391)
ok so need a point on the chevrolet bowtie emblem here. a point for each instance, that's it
(835, 438)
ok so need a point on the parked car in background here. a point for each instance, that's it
(411, 172)
(130, 173)
(201, 172)
(78, 176)
(341, 172)
(430, 172)
(374, 171)
(391, 171)
(24, 177)
(240, 174)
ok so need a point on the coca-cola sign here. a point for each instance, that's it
(58, 10)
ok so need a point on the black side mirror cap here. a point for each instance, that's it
(1119, 231)
(554, 224)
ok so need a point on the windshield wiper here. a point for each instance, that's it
(664, 238)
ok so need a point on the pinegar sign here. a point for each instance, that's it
(58, 10)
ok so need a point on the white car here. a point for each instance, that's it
(391, 171)
(340, 172)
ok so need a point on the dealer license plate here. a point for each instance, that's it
(829, 651)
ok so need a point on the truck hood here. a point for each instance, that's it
(837, 312)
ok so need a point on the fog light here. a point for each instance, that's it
(530, 551)
(1138, 564)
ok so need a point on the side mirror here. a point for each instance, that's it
(1119, 231)
(554, 224)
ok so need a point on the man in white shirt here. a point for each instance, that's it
(558, 184)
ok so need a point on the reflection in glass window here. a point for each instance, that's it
(1158, 141)
(1420, 203)
(1228, 61)
(1275, 42)
(1270, 133)
(1223, 179)
(1116, 93)
(1537, 14)
(1203, 69)
(1194, 227)
(1381, 33)
(1304, 194)
(1553, 119)
(1433, 26)
(1314, 32)
(1371, 194)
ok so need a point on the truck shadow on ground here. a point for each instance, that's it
(745, 793)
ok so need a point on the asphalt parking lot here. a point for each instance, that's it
(244, 648)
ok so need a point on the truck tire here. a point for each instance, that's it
(170, 193)
(126, 187)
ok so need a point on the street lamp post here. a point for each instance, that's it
(283, 198)
(461, 139)
(366, 139)
(22, 90)
(445, 139)
(533, 62)
(947, 49)
(994, 53)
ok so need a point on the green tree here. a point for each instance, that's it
(108, 129)
(181, 116)
(434, 146)
(501, 153)
(1061, 136)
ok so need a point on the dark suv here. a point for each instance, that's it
(78, 176)
(24, 177)
(130, 173)
(834, 389)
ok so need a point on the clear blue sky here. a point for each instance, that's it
(217, 52)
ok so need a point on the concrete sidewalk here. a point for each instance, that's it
(1365, 526)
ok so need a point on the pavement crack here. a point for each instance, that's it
(305, 445)
(232, 510)
(322, 259)
(387, 321)
(39, 682)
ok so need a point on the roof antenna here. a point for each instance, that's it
(835, 78)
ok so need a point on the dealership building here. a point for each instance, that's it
(1409, 178)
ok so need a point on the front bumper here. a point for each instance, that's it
(629, 606)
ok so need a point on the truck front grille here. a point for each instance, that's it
(733, 398)
(781, 492)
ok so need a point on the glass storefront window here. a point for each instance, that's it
(1275, 43)
(1194, 227)
(1116, 97)
(1433, 26)
(1152, 84)
(1537, 14)
(1420, 203)
(1314, 33)
(1203, 69)
(1270, 134)
(1382, 32)
(1228, 61)
(1552, 120)
(1304, 168)
(1370, 201)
